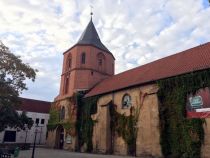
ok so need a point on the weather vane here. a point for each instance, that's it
(91, 11)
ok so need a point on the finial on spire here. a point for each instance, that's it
(91, 11)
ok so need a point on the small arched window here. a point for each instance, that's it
(62, 113)
(66, 84)
(69, 62)
(83, 58)
(113, 68)
(101, 60)
(126, 101)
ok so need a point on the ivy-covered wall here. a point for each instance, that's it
(84, 125)
(181, 137)
(68, 123)
(132, 131)
(125, 126)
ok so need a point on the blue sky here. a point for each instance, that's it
(136, 32)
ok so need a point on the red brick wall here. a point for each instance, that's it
(85, 76)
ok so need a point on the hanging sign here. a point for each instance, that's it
(196, 102)
(198, 105)
(68, 139)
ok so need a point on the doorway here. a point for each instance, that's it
(59, 137)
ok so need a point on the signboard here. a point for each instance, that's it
(196, 102)
(68, 139)
(198, 105)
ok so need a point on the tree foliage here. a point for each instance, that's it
(24, 120)
(13, 73)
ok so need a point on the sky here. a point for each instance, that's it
(135, 31)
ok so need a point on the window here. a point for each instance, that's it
(10, 136)
(101, 61)
(68, 62)
(66, 84)
(126, 101)
(83, 58)
(37, 121)
(42, 121)
(62, 113)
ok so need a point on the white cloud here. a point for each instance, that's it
(137, 32)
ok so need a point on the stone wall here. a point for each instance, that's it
(101, 132)
(206, 145)
(148, 137)
(51, 139)
(148, 134)
(148, 140)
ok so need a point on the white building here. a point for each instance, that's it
(38, 111)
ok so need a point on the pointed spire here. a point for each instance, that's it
(91, 11)
(90, 37)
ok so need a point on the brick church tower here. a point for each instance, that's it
(85, 64)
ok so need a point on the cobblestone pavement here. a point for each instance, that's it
(52, 153)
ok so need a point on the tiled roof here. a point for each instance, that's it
(90, 37)
(31, 105)
(197, 58)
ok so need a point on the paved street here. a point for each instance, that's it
(49, 153)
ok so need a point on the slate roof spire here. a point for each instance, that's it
(90, 36)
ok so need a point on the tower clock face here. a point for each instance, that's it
(126, 102)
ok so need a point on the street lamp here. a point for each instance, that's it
(40, 138)
(36, 131)
(26, 130)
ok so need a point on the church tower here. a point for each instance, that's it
(85, 64)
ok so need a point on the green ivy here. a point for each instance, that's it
(54, 121)
(85, 108)
(51, 127)
(125, 127)
(181, 137)
(84, 123)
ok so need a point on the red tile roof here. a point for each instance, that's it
(197, 58)
(31, 105)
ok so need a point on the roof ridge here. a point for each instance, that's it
(194, 59)
(160, 59)
(35, 100)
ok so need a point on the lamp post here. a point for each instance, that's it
(26, 130)
(36, 131)
(40, 139)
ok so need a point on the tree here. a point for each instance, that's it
(13, 73)
(24, 120)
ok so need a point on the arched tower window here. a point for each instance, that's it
(101, 61)
(62, 113)
(83, 58)
(66, 84)
(126, 101)
(69, 62)
(113, 68)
